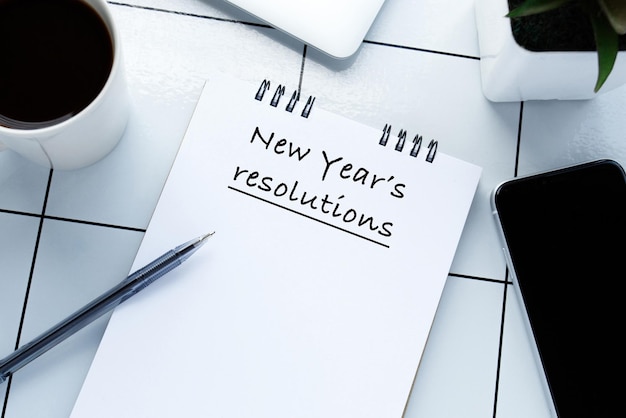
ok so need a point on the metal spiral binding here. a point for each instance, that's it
(295, 97)
(417, 143)
(279, 93)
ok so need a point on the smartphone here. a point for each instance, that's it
(564, 238)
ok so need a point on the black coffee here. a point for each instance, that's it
(55, 57)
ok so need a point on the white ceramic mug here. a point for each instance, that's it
(88, 135)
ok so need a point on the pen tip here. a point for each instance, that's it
(201, 240)
(206, 236)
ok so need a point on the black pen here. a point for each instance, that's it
(129, 287)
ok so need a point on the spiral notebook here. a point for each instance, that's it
(315, 296)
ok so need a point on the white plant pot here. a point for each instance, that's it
(510, 72)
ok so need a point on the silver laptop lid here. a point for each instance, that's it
(336, 27)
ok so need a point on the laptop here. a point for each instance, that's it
(336, 27)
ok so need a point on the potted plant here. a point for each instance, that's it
(551, 49)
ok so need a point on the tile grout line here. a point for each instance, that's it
(477, 278)
(519, 138)
(28, 287)
(417, 49)
(93, 223)
(188, 14)
(501, 339)
(507, 281)
(72, 220)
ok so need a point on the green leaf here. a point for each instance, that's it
(615, 11)
(607, 42)
(531, 7)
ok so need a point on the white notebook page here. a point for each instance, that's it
(292, 309)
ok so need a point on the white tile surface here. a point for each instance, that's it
(23, 184)
(564, 133)
(417, 69)
(520, 393)
(457, 374)
(18, 238)
(436, 25)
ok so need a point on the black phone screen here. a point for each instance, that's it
(566, 235)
